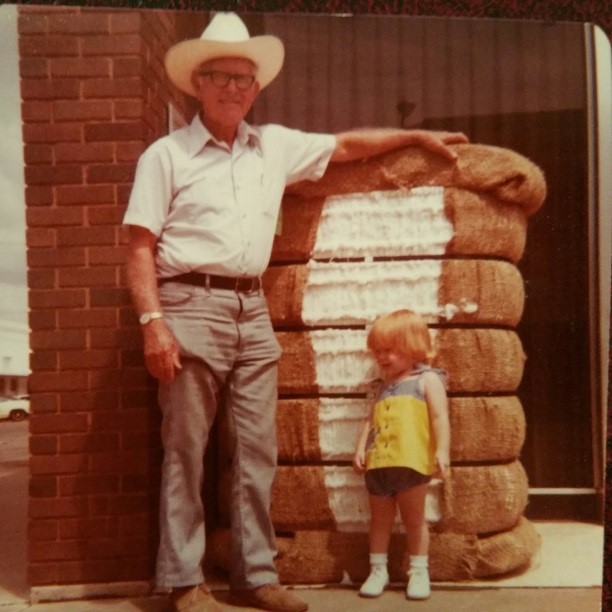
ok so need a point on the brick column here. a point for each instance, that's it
(94, 96)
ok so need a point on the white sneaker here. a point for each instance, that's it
(418, 583)
(376, 582)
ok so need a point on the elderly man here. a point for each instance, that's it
(201, 219)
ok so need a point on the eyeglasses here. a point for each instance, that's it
(222, 79)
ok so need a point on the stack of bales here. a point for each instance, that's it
(403, 230)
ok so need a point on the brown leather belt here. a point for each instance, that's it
(241, 284)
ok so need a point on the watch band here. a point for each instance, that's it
(147, 317)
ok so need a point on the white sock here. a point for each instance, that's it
(421, 561)
(378, 558)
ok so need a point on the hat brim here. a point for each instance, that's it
(266, 52)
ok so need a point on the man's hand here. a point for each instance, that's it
(161, 351)
(437, 142)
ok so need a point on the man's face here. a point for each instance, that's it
(225, 102)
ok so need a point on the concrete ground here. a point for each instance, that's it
(574, 560)
(347, 600)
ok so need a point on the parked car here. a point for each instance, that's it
(14, 408)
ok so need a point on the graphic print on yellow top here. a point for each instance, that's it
(401, 435)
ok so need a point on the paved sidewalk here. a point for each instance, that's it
(340, 599)
(571, 557)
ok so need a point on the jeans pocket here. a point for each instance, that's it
(172, 295)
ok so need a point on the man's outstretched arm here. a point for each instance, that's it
(357, 144)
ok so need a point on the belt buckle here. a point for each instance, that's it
(245, 284)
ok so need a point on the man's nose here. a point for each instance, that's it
(231, 85)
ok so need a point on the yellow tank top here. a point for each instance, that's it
(401, 435)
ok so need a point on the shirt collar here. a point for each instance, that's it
(200, 136)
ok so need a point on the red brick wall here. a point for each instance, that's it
(94, 95)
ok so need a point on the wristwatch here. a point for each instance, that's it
(147, 317)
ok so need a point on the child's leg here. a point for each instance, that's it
(382, 511)
(411, 503)
(382, 516)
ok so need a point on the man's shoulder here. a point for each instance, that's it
(276, 132)
(270, 129)
(175, 141)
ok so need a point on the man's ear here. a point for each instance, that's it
(256, 89)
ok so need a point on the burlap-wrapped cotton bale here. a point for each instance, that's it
(301, 427)
(497, 365)
(476, 499)
(325, 429)
(486, 428)
(407, 229)
(479, 292)
(484, 499)
(484, 226)
(327, 557)
(479, 225)
(336, 360)
(456, 557)
(499, 554)
(501, 173)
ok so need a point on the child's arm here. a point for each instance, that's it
(359, 463)
(437, 404)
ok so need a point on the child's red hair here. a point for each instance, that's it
(405, 332)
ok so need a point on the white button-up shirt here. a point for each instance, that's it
(213, 209)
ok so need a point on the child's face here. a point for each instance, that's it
(393, 364)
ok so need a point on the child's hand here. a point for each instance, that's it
(442, 463)
(359, 463)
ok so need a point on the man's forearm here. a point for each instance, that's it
(358, 144)
(160, 347)
(141, 278)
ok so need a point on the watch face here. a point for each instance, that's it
(146, 317)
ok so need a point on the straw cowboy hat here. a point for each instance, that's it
(225, 36)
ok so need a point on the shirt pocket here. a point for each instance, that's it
(252, 184)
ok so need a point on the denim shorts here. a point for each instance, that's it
(386, 482)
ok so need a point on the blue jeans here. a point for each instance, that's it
(226, 345)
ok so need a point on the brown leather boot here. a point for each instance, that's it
(268, 597)
(196, 598)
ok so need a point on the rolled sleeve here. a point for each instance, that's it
(152, 191)
(304, 155)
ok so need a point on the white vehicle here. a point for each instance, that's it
(14, 408)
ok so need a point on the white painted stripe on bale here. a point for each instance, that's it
(348, 500)
(340, 420)
(342, 361)
(384, 223)
(337, 293)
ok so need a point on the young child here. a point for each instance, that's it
(404, 442)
